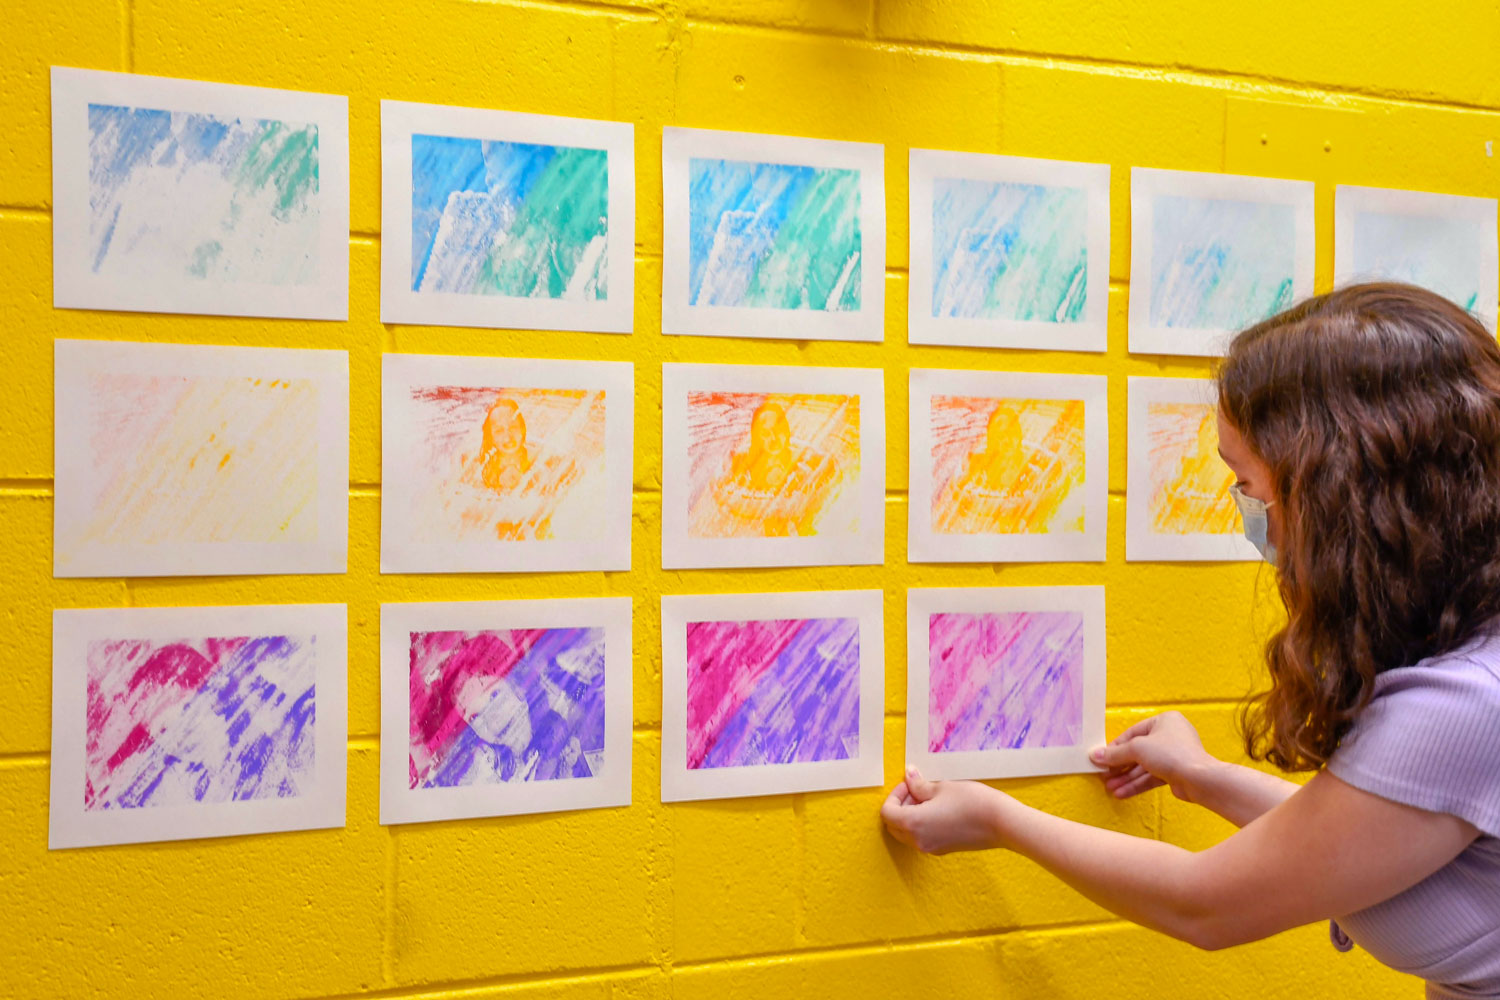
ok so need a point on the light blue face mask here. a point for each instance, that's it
(1257, 522)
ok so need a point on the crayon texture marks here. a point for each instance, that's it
(772, 692)
(1189, 481)
(508, 705)
(504, 464)
(202, 459)
(773, 235)
(509, 218)
(1007, 466)
(199, 720)
(1004, 681)
(1009, 251)
(1219, 264)
(1439, 254)
(772, 466)
(175, 195)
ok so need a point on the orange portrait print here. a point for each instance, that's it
(769, 465)
(1007, 466)
(1189, 486)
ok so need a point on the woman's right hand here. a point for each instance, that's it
(1162, 750)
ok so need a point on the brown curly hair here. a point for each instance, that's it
(1377, 409)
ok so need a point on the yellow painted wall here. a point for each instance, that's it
(792, 896)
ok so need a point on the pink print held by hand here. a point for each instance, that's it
(1004, 681)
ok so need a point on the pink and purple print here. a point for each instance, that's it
(506, 705)
(1004, 681)
(772, 692)
(199, 720)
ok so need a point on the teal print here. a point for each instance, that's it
(1220, 264)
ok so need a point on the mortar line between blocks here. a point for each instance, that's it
(26, 211)
(1160, 72)
(485, 986)
(799, 912)
(127, 35)
(902, 944)
(29, 758)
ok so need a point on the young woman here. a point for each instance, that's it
(1363, 428)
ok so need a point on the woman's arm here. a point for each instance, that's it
(1327, 850)
(1165, 750)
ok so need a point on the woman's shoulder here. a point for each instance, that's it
(1430, 735)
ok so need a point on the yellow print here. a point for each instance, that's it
(771, 466)
(1189, 481)
(203, 459)
(1007, 466)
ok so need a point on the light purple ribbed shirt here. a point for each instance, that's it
(1430, 738)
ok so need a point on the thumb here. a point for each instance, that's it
(921, 789)
(1113, 755)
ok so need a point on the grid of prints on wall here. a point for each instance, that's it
(177, 459)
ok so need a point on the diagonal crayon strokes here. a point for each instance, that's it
(1220, 264)
(1007, 466)
(772, 692)
(172, 723)
(506, 705)
(202, 459)
(1004, 681)
(773, 235)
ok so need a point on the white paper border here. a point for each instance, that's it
(679, 550)
(1350, 200)
(400, 803)
(1087, 334)
(678, 316)
(322, 805)
(926, 546)
(76, 360)
(399, 120)
(1145, 186)
(680, 783)
(1142, 544)
(401, 553)
(921, 604)
(75, 286)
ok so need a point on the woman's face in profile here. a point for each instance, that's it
(1251, 475)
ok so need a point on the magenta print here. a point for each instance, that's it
(1004, 681)
(772, 692)
(199, 720)
(506, 705)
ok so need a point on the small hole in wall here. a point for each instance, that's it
(739, 81)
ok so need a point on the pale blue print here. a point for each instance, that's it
(1439, 254)
(1219, 264)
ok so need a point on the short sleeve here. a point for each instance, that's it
(1430, 737)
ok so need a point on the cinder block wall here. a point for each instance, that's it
(790, 896)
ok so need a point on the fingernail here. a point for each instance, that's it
(1096, 754)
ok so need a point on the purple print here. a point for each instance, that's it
(772, 692)
(174, 722)
(1004, 681)
(507, 705)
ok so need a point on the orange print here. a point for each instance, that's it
(770, 466)
(1007, 466)
(1189, 481)
(506, 464)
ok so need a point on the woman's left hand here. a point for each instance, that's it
(937, 817)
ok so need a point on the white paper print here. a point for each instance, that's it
(771, 466)
(188, 197)
(1008, 251)
(495, 465)
(1004, 682)
(1446, 243)
(1212, 254)
(501, 219)
(491, 708)
(177, 723)
(1008, 467)
(772, 236)
(176, 460)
